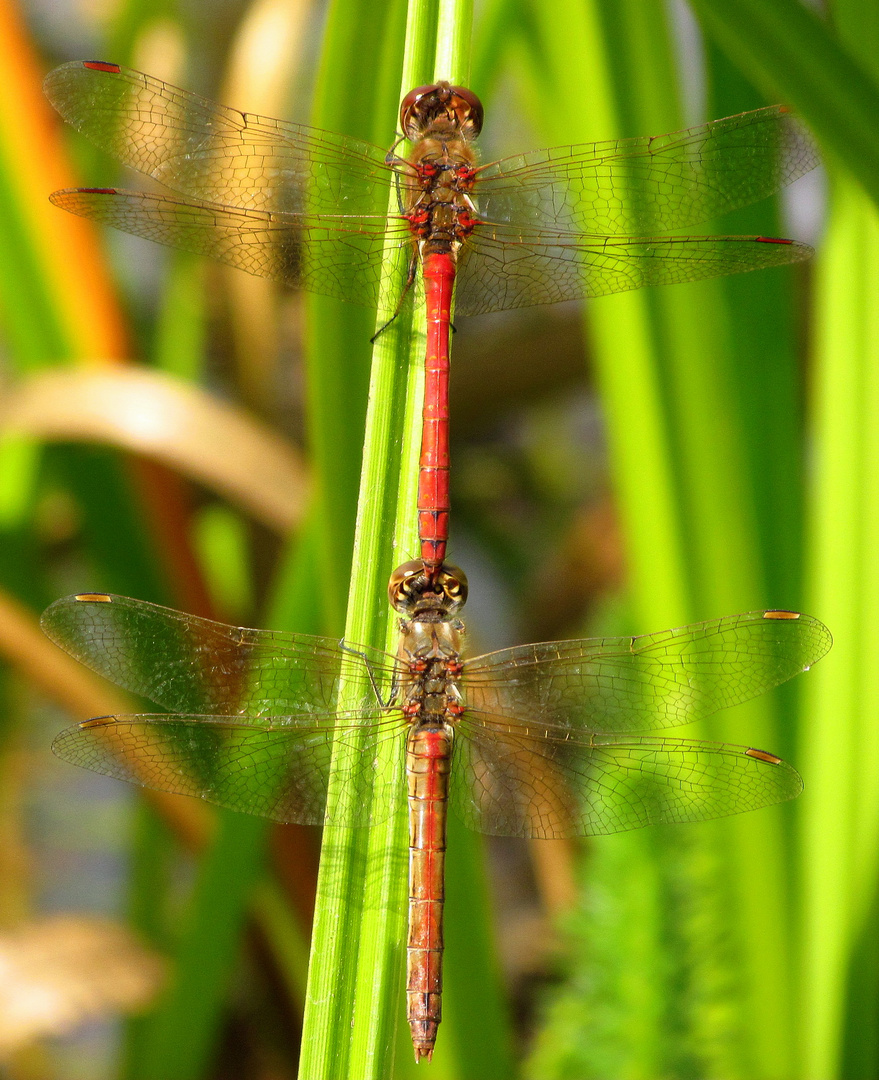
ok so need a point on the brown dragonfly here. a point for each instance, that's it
(544, 740)
(299, 205)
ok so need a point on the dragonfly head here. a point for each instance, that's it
(440, 108)
(416, 596)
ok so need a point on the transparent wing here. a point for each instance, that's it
(216, 154)
(298, 205)
(508, 267)
(274, 767)
(651, 184)
(642, 683)
(194, 665)
(515, 780)
(338, 256)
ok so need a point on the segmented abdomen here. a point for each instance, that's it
(427, 770)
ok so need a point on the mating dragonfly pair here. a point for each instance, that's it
(553, 739)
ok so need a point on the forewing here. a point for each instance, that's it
(216, 154)
(340, 257)
(517, 780)
(194, 665)
(505, 266)
(642, 683)
(273, 767)
(652, 184)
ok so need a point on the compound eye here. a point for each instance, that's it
(399, 586)
(474, 114)
(409, 102)
(453, 582)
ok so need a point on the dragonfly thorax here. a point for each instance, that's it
(431, 653)
(427, 640)
(440, 205)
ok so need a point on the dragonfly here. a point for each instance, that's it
(556, 739)
(310, 208)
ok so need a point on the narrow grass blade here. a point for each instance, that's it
(839, 840)
(785, 47)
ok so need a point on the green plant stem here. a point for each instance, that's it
(840, 753)
(354, 999)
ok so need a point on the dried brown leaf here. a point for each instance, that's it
(184, 427)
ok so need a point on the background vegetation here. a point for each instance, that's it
(187, 435)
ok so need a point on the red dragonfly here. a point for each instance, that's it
(299, 205)
(553, 739)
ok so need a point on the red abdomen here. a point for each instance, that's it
(433, 480)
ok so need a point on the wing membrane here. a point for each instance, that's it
(338, 257)
(509, 267)
(651, 184)
(216, 154)
(641, 683)
(273, 767)
(194, 665)
(508, 781)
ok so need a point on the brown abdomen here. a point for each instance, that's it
(427, 771)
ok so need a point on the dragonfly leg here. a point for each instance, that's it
(398, 164)
(345, 647)
(410, 281)
(391, 157)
